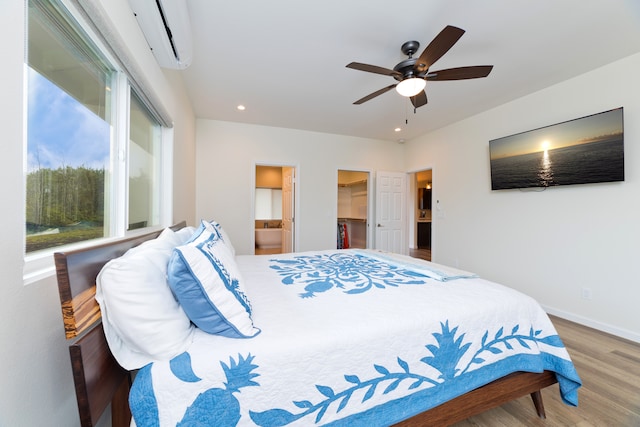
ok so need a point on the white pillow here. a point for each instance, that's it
(184, 234)
(205, 279)
(141, 318)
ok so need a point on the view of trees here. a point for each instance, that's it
(64, 197)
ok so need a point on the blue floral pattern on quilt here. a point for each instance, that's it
(445, 355)
(348, 272)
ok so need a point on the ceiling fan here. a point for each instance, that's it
(412, 74)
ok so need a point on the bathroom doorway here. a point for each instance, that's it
(274, 209)
(421, 188)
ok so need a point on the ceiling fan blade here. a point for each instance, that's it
(374, 94)
(373, 69)
(419, 100)
(460, 73)
(438, 47)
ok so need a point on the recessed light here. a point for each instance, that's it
(240, 107)
(397, 129)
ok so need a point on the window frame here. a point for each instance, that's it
(39, 265)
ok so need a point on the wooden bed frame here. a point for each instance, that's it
(99, 380)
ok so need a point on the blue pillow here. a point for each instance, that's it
(215, 228)
(206, 281)
(203, 232)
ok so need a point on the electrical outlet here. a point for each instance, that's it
(586, 293)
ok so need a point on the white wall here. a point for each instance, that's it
(184, 152)
(226, 157)
(36, 387)
(548, 244)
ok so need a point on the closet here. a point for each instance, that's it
(353, 202)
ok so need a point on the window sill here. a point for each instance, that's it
(40, 266)
(37, 268)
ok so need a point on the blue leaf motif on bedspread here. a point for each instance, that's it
(446, 374)
(181, 368)
(352, 273)
(219, 403)
(447, 353)
(445, 356)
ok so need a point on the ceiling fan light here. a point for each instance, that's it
(411, 87)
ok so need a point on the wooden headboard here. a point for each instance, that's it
(99, 380)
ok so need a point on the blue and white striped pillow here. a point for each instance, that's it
(205, 279)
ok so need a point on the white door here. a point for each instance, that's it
(391, 219)
(288, 200)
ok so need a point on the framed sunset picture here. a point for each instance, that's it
(580, 151)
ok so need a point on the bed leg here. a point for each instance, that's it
(536, 396)
(120, 412)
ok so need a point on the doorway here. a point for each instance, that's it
(422, 213)
(274, 209)
(353, 209)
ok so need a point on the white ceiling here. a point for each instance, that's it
(285, 59)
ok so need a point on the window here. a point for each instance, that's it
(144, 167)
(268, 203)
(93, 150)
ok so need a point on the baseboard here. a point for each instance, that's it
(604, 327)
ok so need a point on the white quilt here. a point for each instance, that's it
(353, 338)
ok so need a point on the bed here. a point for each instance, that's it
(341, 337)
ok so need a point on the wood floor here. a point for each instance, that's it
(420, 253)
(416, 253)
(610, 394)
(269, 251)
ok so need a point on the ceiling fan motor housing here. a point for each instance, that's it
(406, 67)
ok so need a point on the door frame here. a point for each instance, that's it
(412, 203)
(370, 198)
(296, 200)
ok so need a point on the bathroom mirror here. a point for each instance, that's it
(268, 203)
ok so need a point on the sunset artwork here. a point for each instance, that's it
(581, 151)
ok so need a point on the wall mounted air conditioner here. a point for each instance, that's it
(166, 26)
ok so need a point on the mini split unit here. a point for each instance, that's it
(166, 27)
